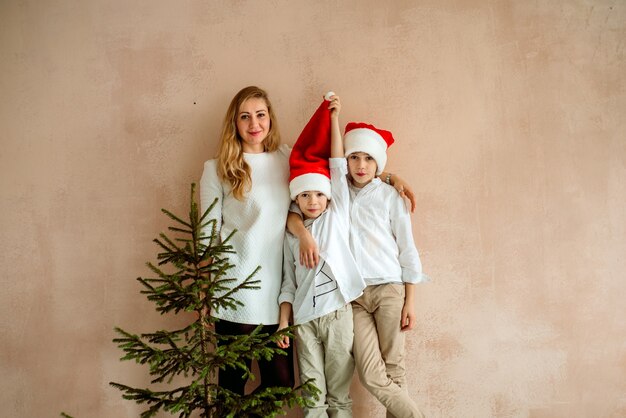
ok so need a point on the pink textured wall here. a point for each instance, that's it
(509, 119)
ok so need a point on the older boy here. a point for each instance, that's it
(381, 241)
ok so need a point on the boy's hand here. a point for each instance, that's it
(309, 253)
(334, 106)
(407, 322)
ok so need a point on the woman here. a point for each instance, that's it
(250, 179)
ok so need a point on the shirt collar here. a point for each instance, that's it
(375, 181)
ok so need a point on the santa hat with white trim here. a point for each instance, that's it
(361, 137)
(308, 162)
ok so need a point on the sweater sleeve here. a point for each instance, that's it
(288, 286)
(210, 189)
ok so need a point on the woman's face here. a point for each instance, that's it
(253, 124)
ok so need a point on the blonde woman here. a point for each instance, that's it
(250, 179)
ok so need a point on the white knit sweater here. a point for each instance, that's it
(260, 222)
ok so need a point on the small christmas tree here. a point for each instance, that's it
(199, 282)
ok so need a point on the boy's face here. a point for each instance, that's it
(312, 203)
(362, 168)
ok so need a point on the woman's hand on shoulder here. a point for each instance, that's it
(403, 188)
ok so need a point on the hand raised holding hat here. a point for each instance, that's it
(334, 106)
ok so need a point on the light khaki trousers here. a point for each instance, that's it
(324, 347)
(379, 348)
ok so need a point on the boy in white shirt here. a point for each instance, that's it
(320, 297)
(381, 241)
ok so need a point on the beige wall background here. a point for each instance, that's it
(509, 119)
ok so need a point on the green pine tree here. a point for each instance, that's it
(197, 281)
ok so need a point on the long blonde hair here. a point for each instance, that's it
(231, 167)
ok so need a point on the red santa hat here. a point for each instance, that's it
(361, 137)
(308, 163)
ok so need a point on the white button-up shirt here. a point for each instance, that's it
(381, 238)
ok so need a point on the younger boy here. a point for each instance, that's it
(320, 297)
(381, 241)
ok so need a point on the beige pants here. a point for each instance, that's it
(379, 348)
(324, 347)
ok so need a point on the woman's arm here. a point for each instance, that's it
(211, 188)
(285, 314)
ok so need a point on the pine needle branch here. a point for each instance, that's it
(193, 275)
